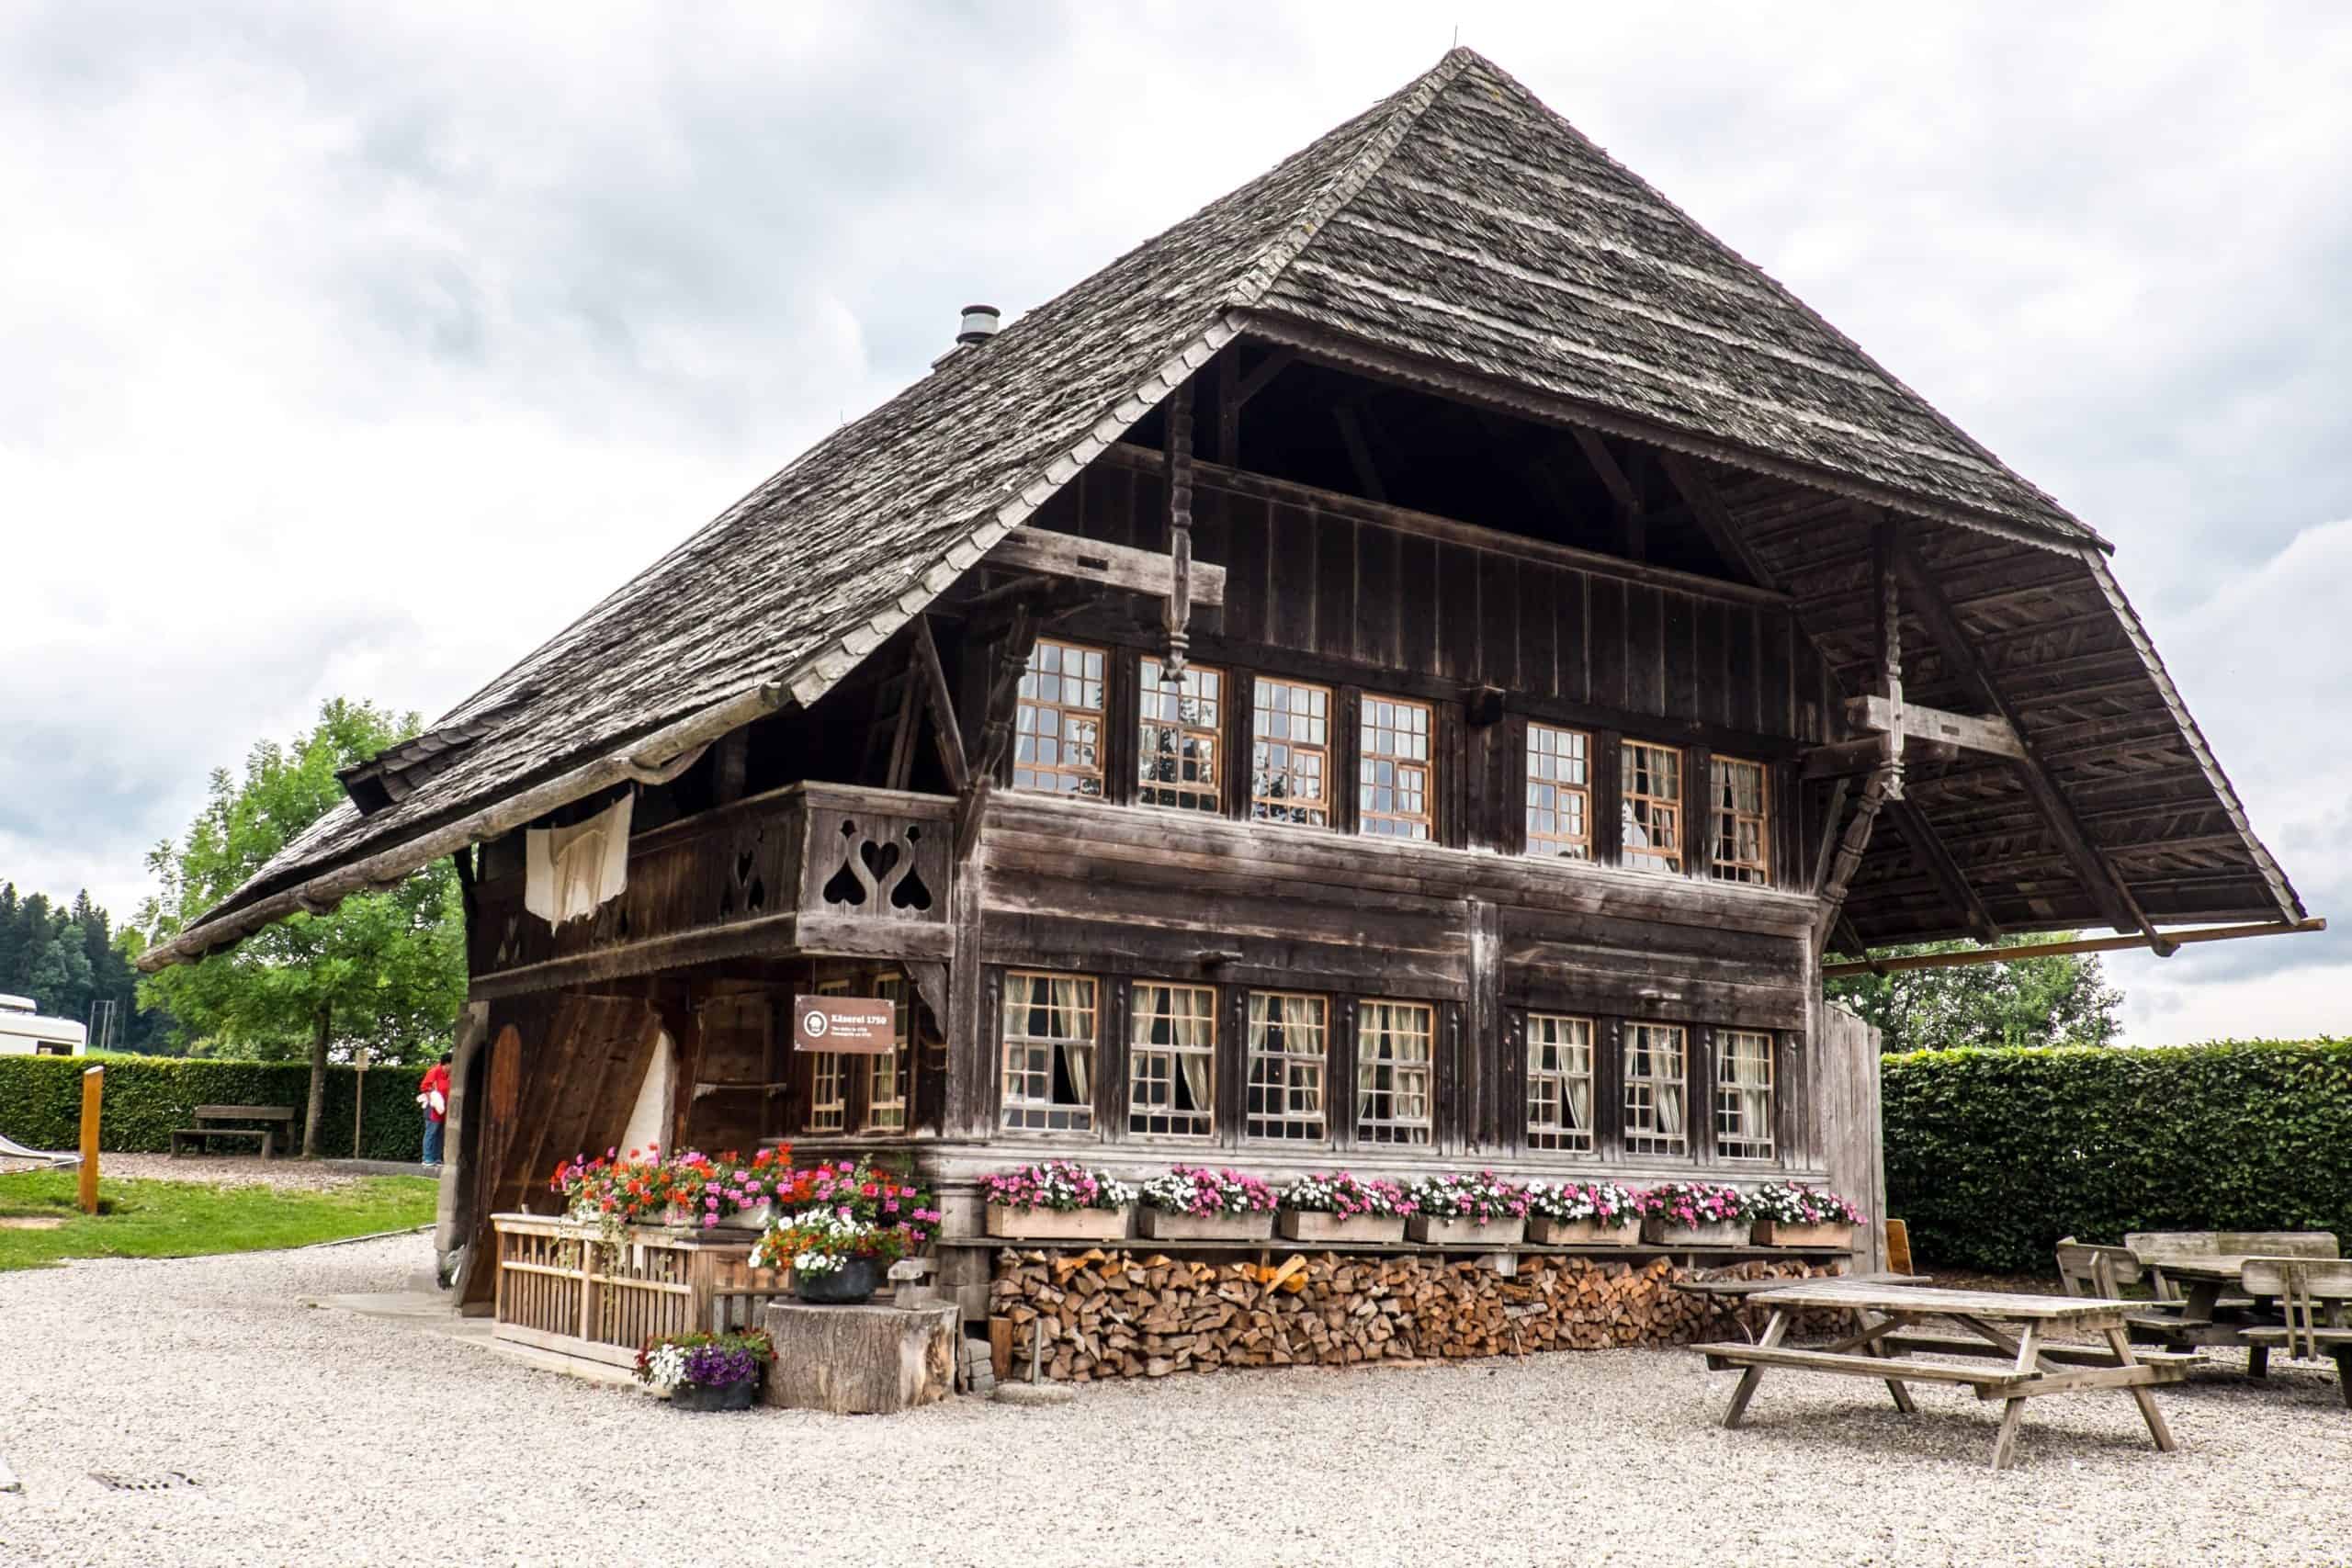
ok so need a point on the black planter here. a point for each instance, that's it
(849, 1285)
(707, 1396)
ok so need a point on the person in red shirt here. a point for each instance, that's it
(432, 1094)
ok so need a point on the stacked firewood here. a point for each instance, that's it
(1119, 1313)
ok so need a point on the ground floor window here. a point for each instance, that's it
(1744, 1095)
(1049, 1052)
(886, 1079)
(1171, 1049)
(1559, 1082)
(1289, 1048)
(1654, 1123)
(828, 1079)
(1393, 1072)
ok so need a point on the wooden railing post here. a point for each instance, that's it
(94, 1089)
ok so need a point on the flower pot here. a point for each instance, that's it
(1658, 1231)
(680, 1216)
(1584, 1232)
(852, 1284)
(1465, 1233)
(1162, 1225)
(1059, 1225)
(749, 1219)
(1301, 1225)
(1825, 1233)
(722, 1397)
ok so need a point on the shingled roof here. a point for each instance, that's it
(1459, 222)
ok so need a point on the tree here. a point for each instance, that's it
(2064, 1000)
(385, 968)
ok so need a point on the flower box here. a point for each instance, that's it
(748, 1219)
(1161, 1225)
(1058, 1224)
(1824, 1232)
(1440, 1231)
(1658, 1232)
(1584, 1232)
(1300, 1224)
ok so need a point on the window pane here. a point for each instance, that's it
(1654, 1121)
(1172, 1050)
(1289, 1045)
(1559, 793)
(1394, 1086)
(1396, 789)
(1743, 1096)
(1652, 814)
(1559, 1082)
(1177, 762)
(1057, 723)
(1290, 752)
(1048, 1029)
(1740, 822)
(886, 1084)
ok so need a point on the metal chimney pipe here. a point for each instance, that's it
(979, 324)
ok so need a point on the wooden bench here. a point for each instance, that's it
(209, 1127)
(2311, 1294)
(2152, 1249)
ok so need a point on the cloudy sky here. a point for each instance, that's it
(355, 348)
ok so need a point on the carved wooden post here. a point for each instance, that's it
(1180, 527)
(1889, 613)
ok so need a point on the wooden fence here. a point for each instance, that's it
(565, 1288)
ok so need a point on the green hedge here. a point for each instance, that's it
(147, 1097)
(1994, 1154)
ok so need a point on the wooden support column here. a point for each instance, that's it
(1180, 528)
(1483, 1076)
(942, 703)
(1888, 626)
(1359, 452)
(1848, 860)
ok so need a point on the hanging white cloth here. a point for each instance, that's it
(569, 873)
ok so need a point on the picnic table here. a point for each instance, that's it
(1890, 1342)
(218, 1122)
(2248, 1300)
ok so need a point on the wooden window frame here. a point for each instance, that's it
(1555, 845)
(1286, 1062)
(1263, 808)
(896, 1069)
(1640, 809)
(1379, 714)
(1019, 1113)
(1734, 1139)
(1724, 819)
(1029, 704)
(825, 1066)
(1392, 1130)
(1641, 1125)
(1554, 1136)
(1205, 798)
(1141, 1111)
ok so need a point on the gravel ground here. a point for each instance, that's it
(225, 1170)
(322, 1437)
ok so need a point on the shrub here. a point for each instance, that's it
(147, 1097)
(1992, 1156)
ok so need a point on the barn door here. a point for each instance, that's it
(1853, 1142)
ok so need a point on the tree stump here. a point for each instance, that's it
(861, 1360)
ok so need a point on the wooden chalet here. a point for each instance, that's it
(1416, 666)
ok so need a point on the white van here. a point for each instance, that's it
(24, 1032)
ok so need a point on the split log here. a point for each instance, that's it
(861, 1360)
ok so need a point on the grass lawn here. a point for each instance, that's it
(183, 1219)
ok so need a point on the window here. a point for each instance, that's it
(1049, 1052)
(1743, 1096)
(1739, 852)
(1178, 760)
(1559, 1082)
(1654, 1121)
(886, 1080)
(1290, 752)
(1289, 1039)
(1652, 806)
(1396, 797)
(829, 1078)
(1559, 793)
(1172, 1049)
(1392, 1059)
(1057, 726)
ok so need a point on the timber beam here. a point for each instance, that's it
(1963, 731)
(1715, 519)
(2062, 949)
(1928, 851)
(1042, 553)
(946, 731)
(1852, 846)
(1850, 759)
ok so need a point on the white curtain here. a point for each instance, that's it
(1193, 1028)
(1303, 1032)
(1579, 1098)
(1752, 1072)
(1077, 1039)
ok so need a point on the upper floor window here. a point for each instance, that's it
(1178, 762)
(1739, 854)
(1393, 1052)
(1290, 752)
(1654, 1123)
(1049, 1052)
(1744, 1095)
(1651, 815)
(1396, 795)
(1289, 1049)
(1172, 1051)
(1559, 1082)
(1057, 726)
(1559, 793)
